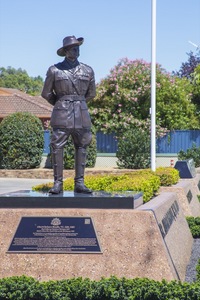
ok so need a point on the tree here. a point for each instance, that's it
(19, 79)
(191, 70)
(188, 67)
(196, 87)
(123, 99)
(174, 103)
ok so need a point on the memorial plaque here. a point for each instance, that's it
(189, 196)
(186, 168)
(55, 235)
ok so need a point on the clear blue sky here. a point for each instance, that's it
(31, 31)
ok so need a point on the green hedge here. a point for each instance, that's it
(144, 181)
(193, 153)
(27, 288)
(194, 225)
(134, 149)
(21, 141)
(168, 176)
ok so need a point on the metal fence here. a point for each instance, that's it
(46, 142)
(106, 143)
(178, 140)
(173, 142)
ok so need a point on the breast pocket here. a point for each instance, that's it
(62, 84)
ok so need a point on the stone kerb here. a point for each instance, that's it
(196, 183)
(177, 238)
(186, 190)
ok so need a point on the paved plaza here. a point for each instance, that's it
(16, 184)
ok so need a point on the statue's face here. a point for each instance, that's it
(72, 53)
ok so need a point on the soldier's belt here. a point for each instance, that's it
(71, 98)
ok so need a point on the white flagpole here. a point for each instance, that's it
(153, 85)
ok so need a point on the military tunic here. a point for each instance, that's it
(68, 88)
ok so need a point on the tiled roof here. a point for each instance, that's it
(12, 100)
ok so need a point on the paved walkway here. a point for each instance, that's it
(16, 184)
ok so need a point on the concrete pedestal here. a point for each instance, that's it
(150, 241)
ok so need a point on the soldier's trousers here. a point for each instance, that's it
(81, 139)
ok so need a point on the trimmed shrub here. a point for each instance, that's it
(20, 288)
(168, 176)
(193, 152)
(144, 181)
(21, 141)
(194, 225)
(198, 270)
(25, 288)
(134, 149)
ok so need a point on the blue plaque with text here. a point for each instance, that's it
(55, 235)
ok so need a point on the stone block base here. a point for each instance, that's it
(151, 241)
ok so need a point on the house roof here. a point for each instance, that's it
(13, 100)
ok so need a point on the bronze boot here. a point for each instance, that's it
(80, 158)
(57, 160)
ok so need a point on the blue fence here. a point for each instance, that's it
(106, 143)
(178, 140)
(172, 143)
(46, 142)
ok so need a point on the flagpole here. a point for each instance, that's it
(153, 85)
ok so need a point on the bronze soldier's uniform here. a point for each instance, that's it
(68, 85)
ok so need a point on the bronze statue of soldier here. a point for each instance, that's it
(68, 86)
